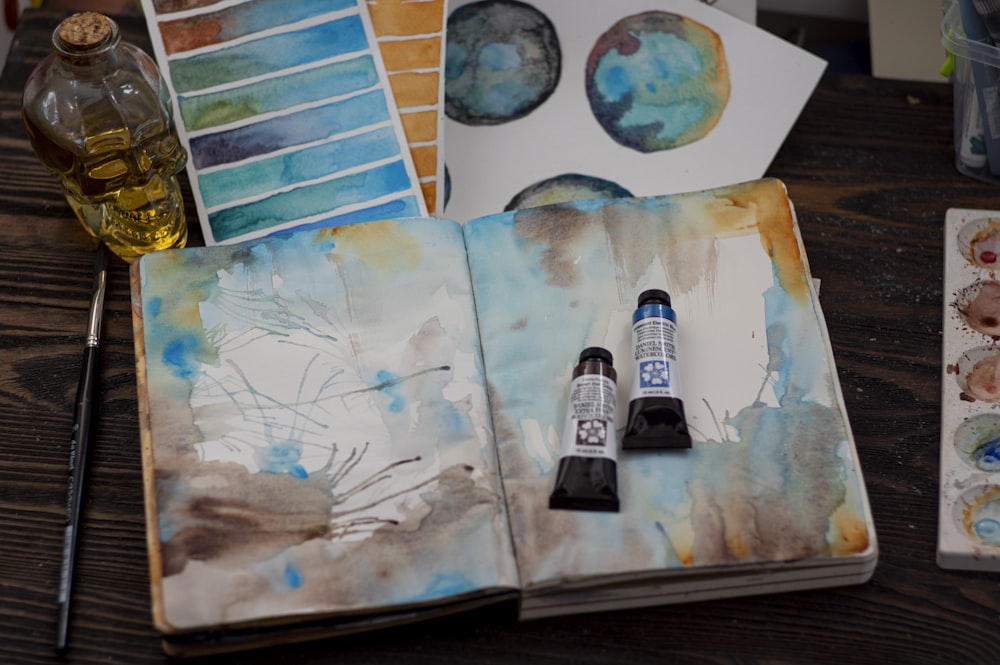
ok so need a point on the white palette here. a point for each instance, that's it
(969, 511)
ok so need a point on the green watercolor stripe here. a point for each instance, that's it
(269, 54)
(230, 106)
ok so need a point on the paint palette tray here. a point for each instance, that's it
(969, 508)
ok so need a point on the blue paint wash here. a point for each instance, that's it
(293, 129)
(293, 576)
(277, 94)
(987, 455)
(152, 307)
(284, 170)
(653, 74)
(282, 457)
(312, 200)
(447, 584)
(403, 207)
(178, 355)
(258, 15)
(262, 57)
(398, 402)
(988, 530)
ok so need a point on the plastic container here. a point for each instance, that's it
(976, 101)
(99, 116)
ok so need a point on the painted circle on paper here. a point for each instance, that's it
(657, 81)
(977, 441)
(978, 511)
(502, 61)
(566, 187)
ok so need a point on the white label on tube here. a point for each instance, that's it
(654, 344)
(590, 419)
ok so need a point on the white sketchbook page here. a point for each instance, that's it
(772, 476)
(321, 438)
(771, 80)
(279, 137)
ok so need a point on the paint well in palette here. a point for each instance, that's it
(978, 511)
(978, 305)
(977, 441)
(978, 374)
(979, 242)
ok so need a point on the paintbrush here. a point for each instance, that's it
(79, 445)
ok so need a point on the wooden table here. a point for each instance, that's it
(870, 168)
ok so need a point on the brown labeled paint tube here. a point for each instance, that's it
(587, 477)
(655, 411)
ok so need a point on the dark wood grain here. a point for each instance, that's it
(870, 167)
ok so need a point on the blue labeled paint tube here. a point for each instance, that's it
(655, 410)
(587, 477)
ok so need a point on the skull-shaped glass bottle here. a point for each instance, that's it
(99, 117)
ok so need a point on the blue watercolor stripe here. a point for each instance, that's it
(281, 171)
(257, 15)
(310, 201)
(405, 207)
(305, 126)
(276, 94)
(269, 54)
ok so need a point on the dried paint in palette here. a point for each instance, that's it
(969, 510)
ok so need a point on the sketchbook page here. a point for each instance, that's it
(410, 36)
(286, 113)
(772, 475)
(318, 427)
(547, 103)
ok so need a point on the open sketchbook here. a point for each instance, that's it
(349, 427)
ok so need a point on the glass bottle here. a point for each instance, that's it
(99, 117)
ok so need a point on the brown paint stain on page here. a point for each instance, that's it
(775, 220)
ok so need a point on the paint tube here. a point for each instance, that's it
(655, 410)
(587, 477)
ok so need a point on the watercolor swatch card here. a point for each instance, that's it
(411, 37)
(969, 501)
(287, 114)
(360, 425)
(548, 103)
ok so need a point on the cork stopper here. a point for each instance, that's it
(84, 31)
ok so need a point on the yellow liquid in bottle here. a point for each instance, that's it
(125, 194)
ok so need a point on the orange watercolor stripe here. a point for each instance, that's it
(401, 19)
(420, 127)
(412, 89)
(424, 160)
(429, 190)
(411, 54)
